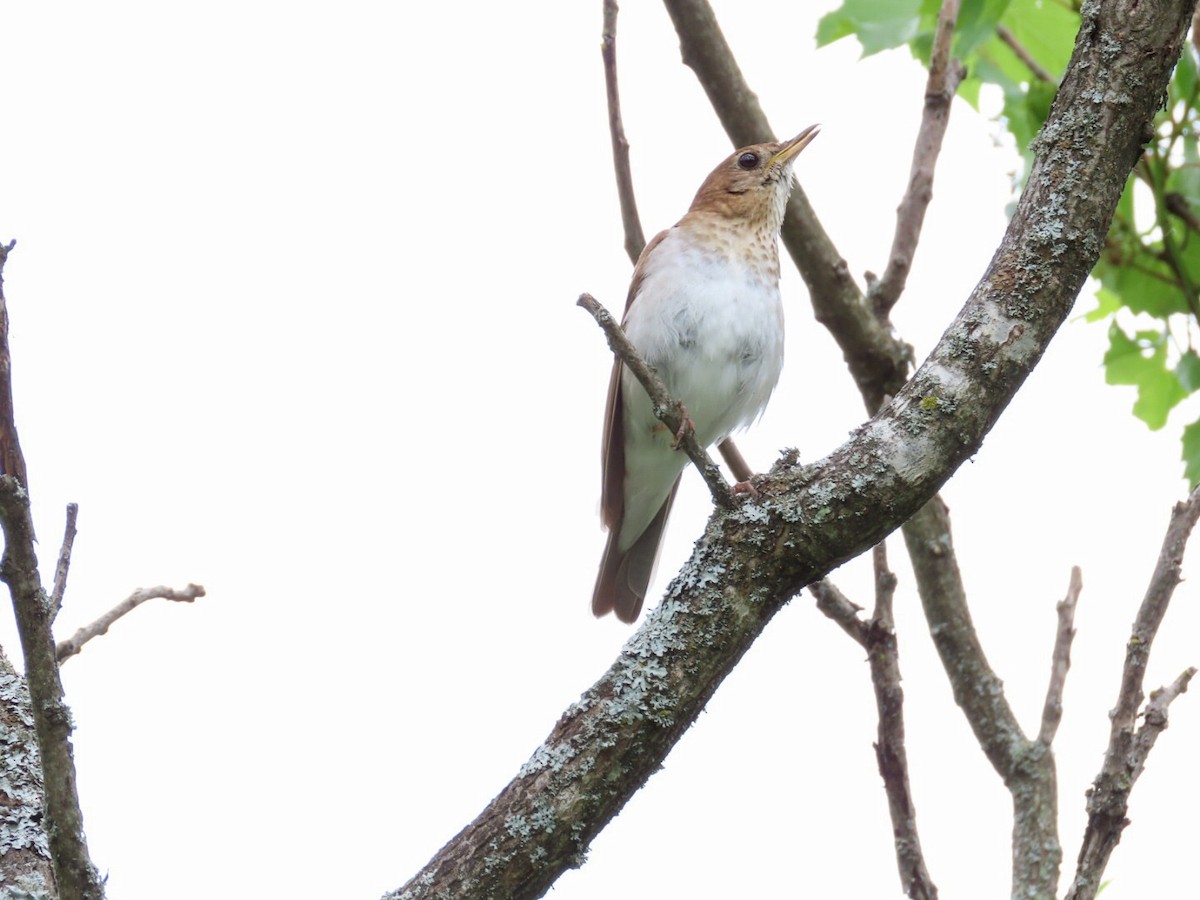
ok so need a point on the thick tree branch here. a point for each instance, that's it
(75, 875)
(1025, 766)
(945, 73)
(72, 645)
(12, 461)
(1128, 745)
(25, 863)
(807, 520)
(668, 410)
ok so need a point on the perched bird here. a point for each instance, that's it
(704, 310)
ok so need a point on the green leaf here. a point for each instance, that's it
(1191, 453)
(1045, 30)
(1142, 361)
(1147, 285)
(878, 24)
(977, 20)
(1107, 303)
(1187, 370)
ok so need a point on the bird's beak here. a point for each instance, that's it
(791, 149)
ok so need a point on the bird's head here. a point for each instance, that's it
(753, 183)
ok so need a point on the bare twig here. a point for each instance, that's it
(64, 561)
(665, 408)
(1128, 746)
(838, 607)
(1022, 54)
(884, 656)
(878, 638)
(74, 872)
(72, 645)
(1060, 660)
(945, 74)
(635, 239)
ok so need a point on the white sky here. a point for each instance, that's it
(293, 316)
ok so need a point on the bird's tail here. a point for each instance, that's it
(625, 574)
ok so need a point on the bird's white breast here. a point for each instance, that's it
(710, 320)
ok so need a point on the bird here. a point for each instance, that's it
(704, 310)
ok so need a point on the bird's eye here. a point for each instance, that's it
(748, 160)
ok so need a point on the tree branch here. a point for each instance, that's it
(1060, 660)
(72, 645)
(883, 653)
(25, 863)
(635, 239)
(668, 411)
(945, 74)
(64, 561)
(1025, 766)
(753, 558)
(75, 875)
(838, 607)
(1023, 55)
(878, 638)
(1128, 746)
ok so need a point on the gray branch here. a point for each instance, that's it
(1128, 745)
(72, 645)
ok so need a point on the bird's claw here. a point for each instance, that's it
(746, 487)
(686, 427)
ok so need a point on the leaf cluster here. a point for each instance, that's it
(1149, 273)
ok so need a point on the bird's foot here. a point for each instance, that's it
(686, 427)
(746, 487)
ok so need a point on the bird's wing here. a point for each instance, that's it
(612, 450)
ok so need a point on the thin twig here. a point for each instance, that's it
(64, 561)
(883, 654)
(1022, 54)
(878, 637)
(1108, 798)
(1060, 659)
(838, 607)
(945, 74)
(72, 645)
(667, 410)
(635, 239)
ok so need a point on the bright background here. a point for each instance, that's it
(293, 316)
